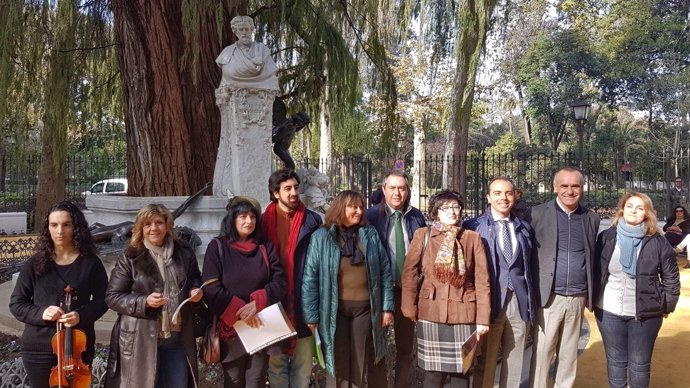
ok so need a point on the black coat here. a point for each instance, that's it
(134, 340)
(241, 276)
(673, 238)
(657, 283)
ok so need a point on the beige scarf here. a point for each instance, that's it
(163, 257)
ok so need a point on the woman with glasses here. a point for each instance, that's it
(452, 301)
(150, 280)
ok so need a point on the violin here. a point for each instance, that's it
(68, 344)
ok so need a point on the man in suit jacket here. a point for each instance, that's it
(508, 242)
(396, 221)
(565, 233)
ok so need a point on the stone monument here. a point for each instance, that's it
(245, 99)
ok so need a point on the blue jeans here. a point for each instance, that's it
(172, 370)
(292, 372)
(628, 343)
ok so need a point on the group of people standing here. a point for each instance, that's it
(356, 274)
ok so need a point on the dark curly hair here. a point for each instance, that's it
(43, 259)
(278, 177)
(444, 196)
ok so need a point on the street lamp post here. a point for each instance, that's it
(580, 110)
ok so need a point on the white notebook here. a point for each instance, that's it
(275, 327)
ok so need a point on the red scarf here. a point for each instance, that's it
(245, 247)
(268, 224)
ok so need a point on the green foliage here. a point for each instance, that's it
(345, 56)
(554, 72)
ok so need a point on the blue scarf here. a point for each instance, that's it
(629, 239)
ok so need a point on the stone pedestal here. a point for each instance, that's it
(244, 159)
(204, 215)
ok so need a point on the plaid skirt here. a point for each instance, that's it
(439, 346)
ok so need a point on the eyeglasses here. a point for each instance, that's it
(679, 211)
(449, 208)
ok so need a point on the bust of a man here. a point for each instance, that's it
(247, 64)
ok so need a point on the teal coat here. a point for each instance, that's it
(320, 288)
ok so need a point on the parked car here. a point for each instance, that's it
(108, 186)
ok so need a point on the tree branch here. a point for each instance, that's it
(87, 48)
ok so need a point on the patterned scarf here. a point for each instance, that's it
(449, 266)
(163, 257)
(629, 238)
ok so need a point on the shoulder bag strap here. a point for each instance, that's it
(264, 254)
(420, 274)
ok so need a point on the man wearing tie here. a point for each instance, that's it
(396, 221)
(508, 242)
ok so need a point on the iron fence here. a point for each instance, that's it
(19, 179)
(606, 178)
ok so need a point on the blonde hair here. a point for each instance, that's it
(145, 215)
(650, 219)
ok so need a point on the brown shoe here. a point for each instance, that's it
(687, 265)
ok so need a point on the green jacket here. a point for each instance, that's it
(320, 288)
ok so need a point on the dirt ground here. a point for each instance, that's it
(670, 358)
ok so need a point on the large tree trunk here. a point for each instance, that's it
(168, 80)
(474, 19)
(51, 174)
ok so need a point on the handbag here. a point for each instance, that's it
(209, 351)
(210, 344)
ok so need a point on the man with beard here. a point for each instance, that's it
(288, 224)
(396, 222)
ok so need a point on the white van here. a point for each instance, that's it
(108, 186)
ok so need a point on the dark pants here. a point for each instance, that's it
(37, 367)
(247, 371)
(354, 350)
(674, 239)
(628, 344)
(434, 379)
(404, 342)
(172, 370)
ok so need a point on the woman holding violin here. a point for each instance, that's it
(150, 280)
(64, 272)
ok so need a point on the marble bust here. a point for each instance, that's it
(247, 64)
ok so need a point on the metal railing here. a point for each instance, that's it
(607, 178)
